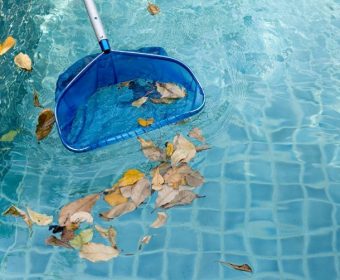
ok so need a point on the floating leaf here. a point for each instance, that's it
(84, 204)
(39, 219)
(150, 150)
(82, 238)
(15, 211)
(80, 217)
(7, 45)
(115, 198)
(145, 240)
(126, 191)
(130, 177)
(169, 150)
(9, 136)
(194, 179)
(23, 61)
(170, 90)
(162, 100)
(45, 124)
(153, 9)
(119, 210)
(68, 233)
(196, 133)
(157, 180)
(54, 241)
(242, 267)
(95, 252)
(139, 102)
(160, 221)
(183, 197)
(202, 148)
(174, 178)
(109, 234)
(165, 195)
(163, 168)
(36, 101)
(141, 191)
(145, 122)
(184, 150)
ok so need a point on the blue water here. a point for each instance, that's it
(271, 73)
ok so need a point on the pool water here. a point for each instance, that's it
(270, 70)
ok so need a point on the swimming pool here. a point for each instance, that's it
(271, 74)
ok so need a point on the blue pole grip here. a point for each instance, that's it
(105, 45)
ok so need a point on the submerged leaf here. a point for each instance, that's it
(183, 197)
(197, 134)
(39, 219)
(139, 102)
(194, 179)
(202, 148)
(160, 221)
(165, 195)
(119, 210)
(80, 217)
(162, 100)
(54, 241)
(84, 204)
(184, 150)
(170, 90)
(130, 177)
(115, 198)
(82, 238)
(95, 252)
(36, 101)
(145, 240)
(153, 9)
(157, 180)
(150, 150)
(9, 136)
(45, 124)
(7, 45)
(242, 267)
(141, 191)
(109, 234)
(68, 233)
(145, 122)
(124, 84)
(15, 211)
(23, 61)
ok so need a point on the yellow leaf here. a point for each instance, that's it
(139, 102)
(45, 124)
(95, 252)
(169, 149)
(115, 198)
(153, 9)
(9, 136)
(23, 61)
(7, 45)
(82, 238)
(170, 90)
(130, 177)
(39, 219)
(145, 122)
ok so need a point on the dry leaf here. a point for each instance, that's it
(163, 168)
(126, 191)
(165, 195)
(15, 211)
(130, 177)
(153, 9)
(139, 102)
(54, 241)
(141, 191)
(194, 179)
(151, 151)
(183, 197)
(160, 221)
(124, 84)
(7, 45)
(145, 240)
(202, 148)
(39, 219)
(68, 233)
(23, 61)
(184, 150)
(170, 90)
(82, 238)
(162, 100)
(84, 204)
(145, 122)
(196, 133)
(9, 136)
(119, 210)
(95, 252)
(242, 267)
(169, 150)
(115, 198)
(174, 178)
(45, 124)
(109, 234)
(36, 101)
(157, 180)
(80, 217)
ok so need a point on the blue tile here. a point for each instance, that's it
(208, 266)
(313, 174)
(39, 262)
(267, 266)
(317, 266)
(123, 265)
(234, 242)
(128, 236)
(209, 219)
(15, 263)
(99, 269)
(290, 213)
(334, 191)
(183, 238)
(211, 242)
(292, 246)
(260, 170)
(234, 171)
(212, 172)
(293, 267)
(181, 215)
(309, 153)
(333, 174)
(181, 266)
(212, 192)
(289, 192)
(234, 220)
(215, 154)
(264, 247)
(287, 172)
(320, 243)
(235, 196)
(237, 132)
(261, 194)
(319, 215)
(150, 266)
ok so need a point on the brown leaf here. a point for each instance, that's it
(145, 240)
(54, 241)
(160, 221)
(119, 210)
(194, 179)
(170, 90)
(157, 180)
(196, 133)
(45, 124)
(150, 150)
(183, 197)
(162, 100)
(124, 84)
(126, 191)
(7, 45)
(23, 61)
(153, 9)
(202, 148)
(84, 204)
(95, 252)
(173, 178)
(141, 191)
(15, 211)
(165, 195)
(184, 150)
(109, 234)
(67, 234)
(242, 267)
(38, 218)
(36, 101)
(139, 102)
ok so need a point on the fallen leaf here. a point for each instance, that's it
(7, 45)
(82, 238)
(157, 180)
(95, 252)
(9, 136)
(141, 191)
(80, 217)
(54, 241)
(45, 124)
(160, 221)
(115, 198)
(39, 219)
(202, 148)
(36, 101)
(162, 100)
(130, 177)
(126, 191)
(165, 195)
(170, 90)
(194, 179)
(124, 84)
(242, 267)
(67, 234)
(174, 178)
(153, 9)
(109, 234)
(145, 122)
(84, 204)
(119, 210)
(163, 168)
(145, 240)
(169, 149)
(23, 61)
(151, 151)
(139, 102)
(15, 211)
(183, 197)
(196, 133)
(184, 150)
